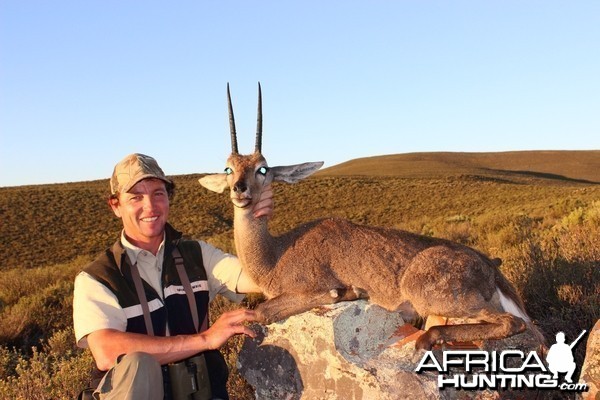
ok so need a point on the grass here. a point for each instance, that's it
(545, 229)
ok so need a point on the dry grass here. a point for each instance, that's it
(546, 230)
(514, 165)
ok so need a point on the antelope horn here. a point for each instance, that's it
(234, 145)
(258, 147)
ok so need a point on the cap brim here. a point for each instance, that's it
(141, 178)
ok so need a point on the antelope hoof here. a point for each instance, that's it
(360, 293)
(424, 342)
(518, 325)
(262, 316)
(428, 339)
(261, 319)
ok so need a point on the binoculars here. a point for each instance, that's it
(189, 379)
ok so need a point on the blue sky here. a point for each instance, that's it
(83, 83)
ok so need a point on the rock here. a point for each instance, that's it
(318, 355)
(353, 350)
(590, 371)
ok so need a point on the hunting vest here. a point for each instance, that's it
(113, 269)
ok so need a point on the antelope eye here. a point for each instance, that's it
(228, 171)
(262, 170)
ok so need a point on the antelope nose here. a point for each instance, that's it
(240, 187)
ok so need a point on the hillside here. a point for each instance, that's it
(516, 165)
(543, 222)
(47, 224)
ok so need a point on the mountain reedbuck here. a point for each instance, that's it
(332, 260)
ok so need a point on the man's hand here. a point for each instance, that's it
(264, 207)
(227, 325)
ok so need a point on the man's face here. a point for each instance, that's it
(144, 211)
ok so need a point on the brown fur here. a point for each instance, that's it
(331, 260)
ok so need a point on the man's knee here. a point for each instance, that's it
(140, 372)
(141, 364)
(135, 376)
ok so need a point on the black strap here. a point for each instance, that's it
(187, 286)
(139, 288)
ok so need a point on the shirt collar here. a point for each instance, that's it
(133, 251)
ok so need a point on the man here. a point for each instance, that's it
(139, 305)
(560, 357)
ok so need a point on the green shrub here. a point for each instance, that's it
(17, 283)
(547, 234)
(36, 316)
(58, 371)
(8, 362)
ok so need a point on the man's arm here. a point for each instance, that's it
(246, 284)
(107, 344)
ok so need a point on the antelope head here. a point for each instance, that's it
(247, 175)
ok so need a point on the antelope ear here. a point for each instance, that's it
(295, 173)
(215, 182)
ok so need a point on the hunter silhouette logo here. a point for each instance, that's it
(506, 369)
(560, 357)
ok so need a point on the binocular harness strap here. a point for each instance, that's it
(188, 376)
(139, 288)
(187, 286)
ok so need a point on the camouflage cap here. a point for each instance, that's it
(133, 169)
